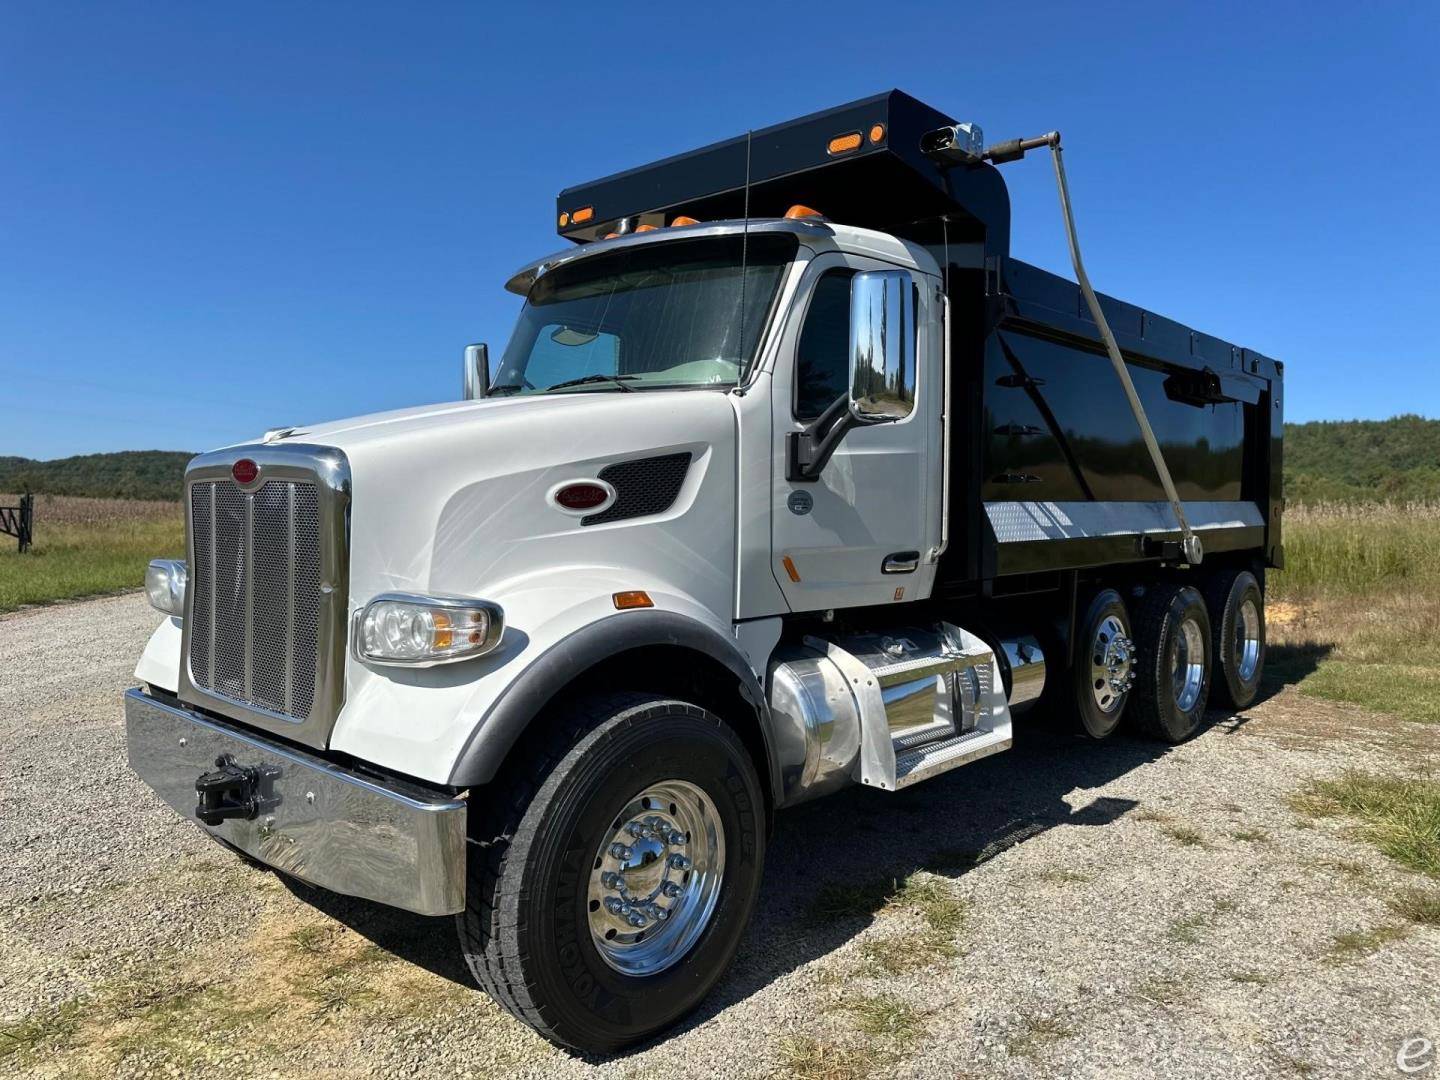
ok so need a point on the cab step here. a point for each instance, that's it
(920, 763)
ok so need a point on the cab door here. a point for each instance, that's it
(866, 530)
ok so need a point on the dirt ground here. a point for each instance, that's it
(1063, 910)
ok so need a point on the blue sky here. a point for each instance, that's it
(216, 219)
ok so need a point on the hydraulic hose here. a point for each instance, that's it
(1189, 542)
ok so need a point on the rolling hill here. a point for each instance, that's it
(130, 474)
(1395, 460)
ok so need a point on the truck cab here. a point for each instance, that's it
(788, 479)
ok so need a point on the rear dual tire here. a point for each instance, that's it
(1237, 612)
(1172, 663)
(1101, 667)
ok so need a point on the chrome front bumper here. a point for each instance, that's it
(392, 842)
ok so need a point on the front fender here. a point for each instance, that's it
(453, 723)
(580, 651)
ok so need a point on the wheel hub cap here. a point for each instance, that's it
(1112, 664)
(1247, 641)
(656, 878)
(1187, 664)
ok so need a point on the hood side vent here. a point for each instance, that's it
(643, 487)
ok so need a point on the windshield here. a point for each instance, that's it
(647, 317)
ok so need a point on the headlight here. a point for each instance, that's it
(165, 582)
(398, 628)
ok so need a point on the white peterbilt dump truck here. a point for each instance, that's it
(790, 478)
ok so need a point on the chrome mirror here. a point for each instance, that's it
(477, 372)
(882, 346)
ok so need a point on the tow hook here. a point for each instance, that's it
(233, 791)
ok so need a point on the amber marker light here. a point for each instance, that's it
(564, 220)
(584, 214)
(798, 211)
(683, 220)
(877, 132)
(789, 565)
(626, 601)
(646, 228)
(843, 144)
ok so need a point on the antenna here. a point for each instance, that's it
(745, 241)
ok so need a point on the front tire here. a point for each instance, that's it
(610, 882)
(1172, 660)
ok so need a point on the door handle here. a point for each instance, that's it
(901, 562)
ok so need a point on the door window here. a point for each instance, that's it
(822, 360)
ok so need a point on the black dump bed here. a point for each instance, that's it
(1049, 471)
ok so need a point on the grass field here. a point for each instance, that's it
(87, 546)
(1355, 614)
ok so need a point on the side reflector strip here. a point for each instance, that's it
(789, 565)
(624, 601)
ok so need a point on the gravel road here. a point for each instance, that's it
(1113, 910)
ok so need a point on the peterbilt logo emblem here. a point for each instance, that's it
(245, 472)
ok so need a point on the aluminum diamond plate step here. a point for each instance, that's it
(921, 763)
(926, 735)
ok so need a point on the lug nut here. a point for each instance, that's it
(635, 829)
(671, 889)
(679, 862)
(611, 880)
(675, 839)
(614, 905)
(621, 852)
(635, 919)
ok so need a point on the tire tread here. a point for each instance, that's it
(489, 927)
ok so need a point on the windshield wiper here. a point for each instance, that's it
(618, 380)
(504, 388)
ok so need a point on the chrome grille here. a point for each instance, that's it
(255, 584)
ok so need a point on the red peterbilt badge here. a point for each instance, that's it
(244, 471)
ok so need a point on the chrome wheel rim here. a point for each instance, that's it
(1112, 664)
(1187, 664)
(656, 878)
(1247, 640)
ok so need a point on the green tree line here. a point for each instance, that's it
(130, 474)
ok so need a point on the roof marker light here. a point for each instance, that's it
(843, 144)
(646, 228)
(584, 214)
(877, 132)
(564, 220)
(799, 211)
(683, 220)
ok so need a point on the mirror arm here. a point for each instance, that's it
(812, 448)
